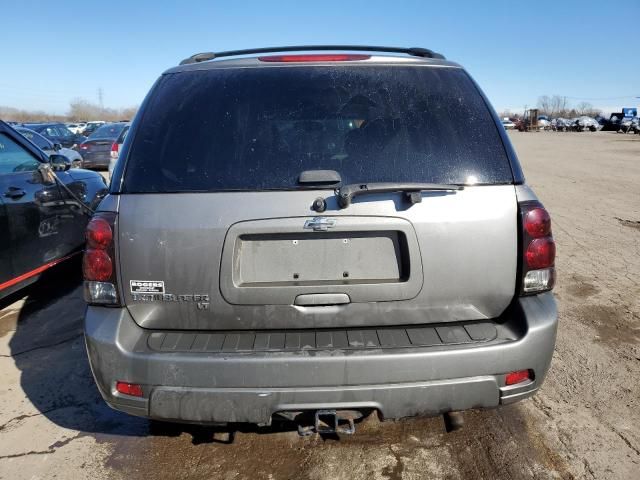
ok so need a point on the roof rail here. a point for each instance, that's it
(415, 51)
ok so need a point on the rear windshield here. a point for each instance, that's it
(110, 131)
(36, 138)
(259, 128)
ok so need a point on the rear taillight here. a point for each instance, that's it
(537, 222)
(98, 264)
(83, 146)
(541, 253)
(114, 150)
(538, 249)
(99, 233)
(316, 57)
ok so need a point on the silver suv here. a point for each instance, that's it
(326, 233)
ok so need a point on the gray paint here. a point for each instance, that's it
(427, 323)
(425, 380)
(462, 248)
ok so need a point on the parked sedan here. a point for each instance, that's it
(544, 124)
(43, 211)
(561, 124)
(76, 127)
(57, 133)
(50, 148)
(508, 124)
(96, 150)
(115, 150)
(584, 123)
(91, 127)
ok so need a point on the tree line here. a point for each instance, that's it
(79, 110)
(557, 106)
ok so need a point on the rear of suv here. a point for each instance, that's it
(317, 232)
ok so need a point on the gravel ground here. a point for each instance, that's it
(584, 423)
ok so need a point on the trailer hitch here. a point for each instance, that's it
(329, 422)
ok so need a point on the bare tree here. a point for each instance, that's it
(583, 107)
(79, 110)
(18, 115)
(595, 112)
(559, 106)
(544, 105)
(554, 106)
(128, 113)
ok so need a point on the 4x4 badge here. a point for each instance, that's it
(320, 224)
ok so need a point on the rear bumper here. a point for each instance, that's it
(96, 160)
(250, 387)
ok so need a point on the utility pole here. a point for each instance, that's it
(100, 98)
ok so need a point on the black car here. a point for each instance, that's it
(57, 133)
(42, 219)
(96, 150)
(90, 128)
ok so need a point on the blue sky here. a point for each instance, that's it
(517, 51)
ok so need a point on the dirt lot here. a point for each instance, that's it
(585, 422)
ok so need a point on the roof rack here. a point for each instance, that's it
(414, 51)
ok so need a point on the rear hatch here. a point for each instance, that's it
(216, 231)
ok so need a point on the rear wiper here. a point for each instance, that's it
(413, 190)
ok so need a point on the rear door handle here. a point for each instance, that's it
(15, 193)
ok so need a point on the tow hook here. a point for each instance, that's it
(328, 422)
(453, 421)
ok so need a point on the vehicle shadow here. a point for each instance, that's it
(48, 349)
(225, 434)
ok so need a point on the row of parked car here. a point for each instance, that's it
(99, 150)
(578, 124)
(85, 128)
(594, 124)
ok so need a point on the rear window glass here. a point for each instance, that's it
(60, 130)
(111, 131)
(259, 128)
(36, 138)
